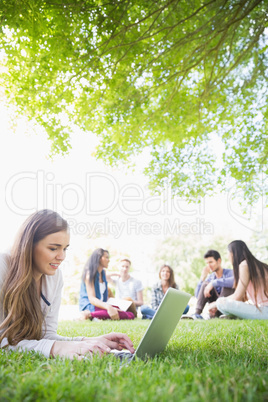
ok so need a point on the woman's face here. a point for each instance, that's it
(49, 253)
(104, 261)
(165, 274)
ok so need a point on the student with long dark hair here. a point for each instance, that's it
(94, 290)
(30, 293)
(166, 276)
(250, 299)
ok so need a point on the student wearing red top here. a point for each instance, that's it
(94, 290)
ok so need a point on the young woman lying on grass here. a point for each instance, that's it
(94, 290)
(250, 299)
(30, 293)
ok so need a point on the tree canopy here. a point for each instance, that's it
(181, 78)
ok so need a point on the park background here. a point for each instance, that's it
(144, 125)
(113, 208)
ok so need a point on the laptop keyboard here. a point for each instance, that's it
(122, 355)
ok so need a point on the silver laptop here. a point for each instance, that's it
(161, 327)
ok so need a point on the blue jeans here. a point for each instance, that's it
(148, 312)
(241, 309)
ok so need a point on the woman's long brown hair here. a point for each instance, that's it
(23, 316)
(258, 271)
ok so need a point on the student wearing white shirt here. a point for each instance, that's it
(127, 287)
(94, 290)
(30, 293)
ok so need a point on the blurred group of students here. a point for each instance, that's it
(241, 292)
(95, 292)
(31, 284)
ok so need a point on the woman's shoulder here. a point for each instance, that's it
(156, 285)
(4, 256)
(243, 265)
(244, 271)
(4, 263)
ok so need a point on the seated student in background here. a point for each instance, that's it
(127, 287)
(250, 299)
(212, 286)
(30, 293)
(166, 275)
(94, 290)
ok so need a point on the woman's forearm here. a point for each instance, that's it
(98, 303)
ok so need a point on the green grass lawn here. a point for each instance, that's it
(217, 360)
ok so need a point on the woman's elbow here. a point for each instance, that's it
(91, 299)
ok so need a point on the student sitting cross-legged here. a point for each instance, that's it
(215, 282)
(94, 290)
(166, 276)
(127, 287)
(250, 299)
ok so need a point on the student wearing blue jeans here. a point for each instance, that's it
(166, 275)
